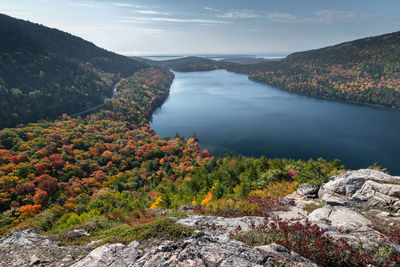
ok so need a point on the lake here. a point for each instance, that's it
(229, 112)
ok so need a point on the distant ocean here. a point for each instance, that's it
(218, 57)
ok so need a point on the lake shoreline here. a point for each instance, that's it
(259, 120)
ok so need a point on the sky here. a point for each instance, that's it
(189, 27)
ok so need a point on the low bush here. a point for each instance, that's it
(250, 206)
(310, 241)
(276, 190)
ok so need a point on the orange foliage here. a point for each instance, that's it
(29, 210)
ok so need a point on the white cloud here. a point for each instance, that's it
(211, 9)
(150, 12)
(126, 5)
(323, 16)
(160, 19)
(240, 14)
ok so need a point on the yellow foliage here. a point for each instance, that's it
(156, 203)
(279, 189)
(207, 198)
(194, 203)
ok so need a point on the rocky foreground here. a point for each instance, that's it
(351, 207)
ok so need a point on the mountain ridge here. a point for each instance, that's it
(45, 72)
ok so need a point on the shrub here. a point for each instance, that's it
(229, 207)
(275, 190)
(310, 241)
(43, 221)
(250, 206)
(319, 171)
(29, 210)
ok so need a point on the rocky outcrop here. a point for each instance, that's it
(353, 203)
(25, 247)
(210, 250)
(27, 237)
(221, 224)
(354, 188)
(378, 195)
(200, 250)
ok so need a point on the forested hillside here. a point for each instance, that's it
(46, 72)
(365, 71)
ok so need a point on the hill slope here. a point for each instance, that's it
(45, 72)
(365, 71)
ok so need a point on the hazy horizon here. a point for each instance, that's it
(227, 27)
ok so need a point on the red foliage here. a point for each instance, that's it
(57, 161)
(25, 188)
(311, 241)
(15, 159)
(54, 136)
(42, 168)
(49, 184)
(40, 197)
(99, 175)
(292, 173)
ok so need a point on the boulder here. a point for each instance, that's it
(25, 247)
(26, 236)
(337, 215)
(308, 191)
(113, 255)
(78, 233)
(294, 213)
(186, 208)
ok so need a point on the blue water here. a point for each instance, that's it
(228, 112)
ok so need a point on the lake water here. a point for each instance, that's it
(228, 112)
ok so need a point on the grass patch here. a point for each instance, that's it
(312, 206)
(159, 228)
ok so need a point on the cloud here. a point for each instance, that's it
(323, 17)
(105, 5)
(240, 14)
(150, 12)
(127, 5)
(211, 9)
(161, 19)
(282, 17)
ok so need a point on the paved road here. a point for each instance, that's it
(93, 108)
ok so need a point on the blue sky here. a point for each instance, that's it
(162, 27)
